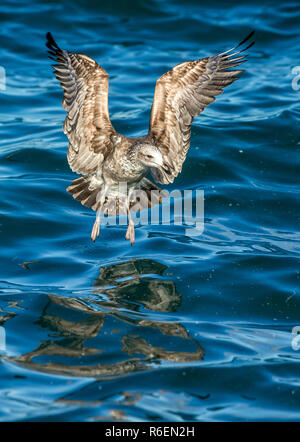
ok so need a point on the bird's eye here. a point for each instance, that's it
(149, 156)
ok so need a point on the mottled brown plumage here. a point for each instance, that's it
(106, 158)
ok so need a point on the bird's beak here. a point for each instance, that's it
(166, 172)
(166, 169)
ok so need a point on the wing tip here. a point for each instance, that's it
(246, 39)
(229, 53)
(54, 49)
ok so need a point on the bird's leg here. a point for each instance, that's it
(130, 230)
(96, 226)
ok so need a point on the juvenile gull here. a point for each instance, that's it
(106, 158)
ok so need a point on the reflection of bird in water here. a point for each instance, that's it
(105, 158)
(153, 294)
(125, 294)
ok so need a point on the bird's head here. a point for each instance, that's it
(149, 155)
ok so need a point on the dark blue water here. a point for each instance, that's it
(175, 328)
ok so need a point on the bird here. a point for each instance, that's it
(105, 158)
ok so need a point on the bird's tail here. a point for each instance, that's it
(146, 196)
(81, 191)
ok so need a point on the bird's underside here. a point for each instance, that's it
(114, 167)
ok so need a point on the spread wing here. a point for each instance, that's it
(180, 95)
(87, 124)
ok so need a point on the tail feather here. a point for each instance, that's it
(80, 191)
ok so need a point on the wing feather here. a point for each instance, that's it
(87, 124)
(183, 93)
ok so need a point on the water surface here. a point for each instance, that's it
(175, 328)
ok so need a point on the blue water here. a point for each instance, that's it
(175, 328)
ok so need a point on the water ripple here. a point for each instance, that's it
(176, 328)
